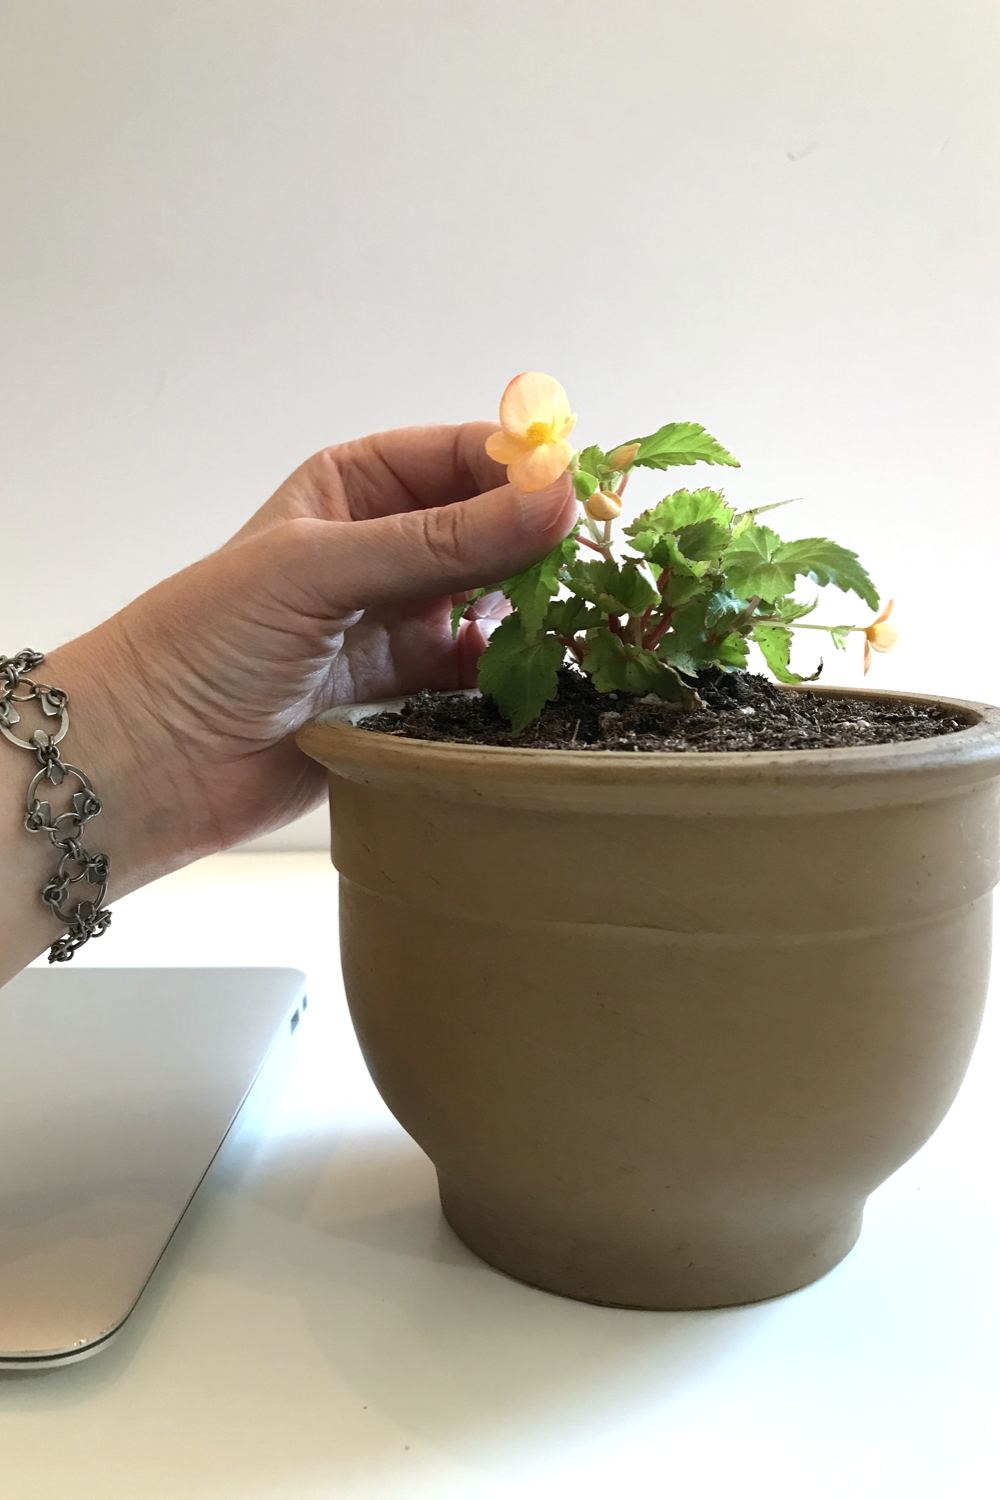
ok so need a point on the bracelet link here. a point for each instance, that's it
(89, 917)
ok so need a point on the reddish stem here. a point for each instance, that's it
(660, 631)
(572, 644)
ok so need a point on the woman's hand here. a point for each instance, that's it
(184, 705)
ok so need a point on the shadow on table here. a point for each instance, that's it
(341, 1231)
(431, 1336)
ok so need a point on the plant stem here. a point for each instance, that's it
(572, 644)
(660, 631)
(794, 625)
(600, 543)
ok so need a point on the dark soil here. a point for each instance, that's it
(742, 712)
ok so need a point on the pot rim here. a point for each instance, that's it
(717, 781)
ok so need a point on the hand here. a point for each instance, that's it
(339, 589)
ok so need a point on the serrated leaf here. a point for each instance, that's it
(529, 592)
(703, 541)
(634, 589)
(731, 652)
(681, 443)
(614, 590)
(701, 633)
(681, 588)
(616, 667)
(584, 484)
(669, 649)
(567, 616)
(592, 460)
(682, 508)
(520, 672)
(775, 644)
(826, 563)
(789, 610)
(664, 552)
(839, 635)
(722, 605)
(754, 564)
(458, 610)
(758, 510)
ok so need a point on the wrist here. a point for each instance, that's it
(153, 820)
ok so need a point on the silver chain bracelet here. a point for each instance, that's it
(89, 917)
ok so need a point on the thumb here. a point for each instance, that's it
(350, 565)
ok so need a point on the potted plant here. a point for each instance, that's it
(663, 1017)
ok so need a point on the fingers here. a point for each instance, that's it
(333, 569)
(408, 469)
(417, 467)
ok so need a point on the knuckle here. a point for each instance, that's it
(297, 534)
(444, 535)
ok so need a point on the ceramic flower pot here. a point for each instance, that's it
(663, 1021)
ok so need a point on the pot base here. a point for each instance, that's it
(672, 1274)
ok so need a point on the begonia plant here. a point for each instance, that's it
(696, 583)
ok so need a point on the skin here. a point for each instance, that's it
(184, 705)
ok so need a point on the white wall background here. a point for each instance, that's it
(235, 230)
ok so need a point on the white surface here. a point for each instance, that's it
(236, 230)
(117, 1087)
(315, 1331)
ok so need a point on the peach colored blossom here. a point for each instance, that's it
(535, 421)
(880, 635)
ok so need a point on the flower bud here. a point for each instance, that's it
(623, 456)
(603, 507)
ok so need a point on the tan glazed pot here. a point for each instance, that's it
(663, 1021)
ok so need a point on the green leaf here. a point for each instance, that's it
(839, 635)
(826, 563)
(681, 443)
(754, 564)
(567, 616)
(775, 644)
(682, 587)
(633, 588)
(703, 541)
(529, 592)
(722, 606)
(682, 508)
(520, 672)
(592, 460)
(758, 510)
(665, 552)
(731, 652)
(458, 610)
(585, 484)
(692, 643)
(614, 590)
(789, 610)
(615, 667)
(670, 649)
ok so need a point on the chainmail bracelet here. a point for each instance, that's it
(89, 918)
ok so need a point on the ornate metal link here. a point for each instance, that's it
(89, 917)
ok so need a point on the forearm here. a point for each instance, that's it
(146, 826)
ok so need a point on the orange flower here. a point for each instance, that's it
(880, 635)
(535, 422)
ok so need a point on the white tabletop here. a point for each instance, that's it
(316, 1331)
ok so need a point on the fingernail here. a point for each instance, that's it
(540, 511)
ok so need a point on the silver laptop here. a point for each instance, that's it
(117, 1088)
